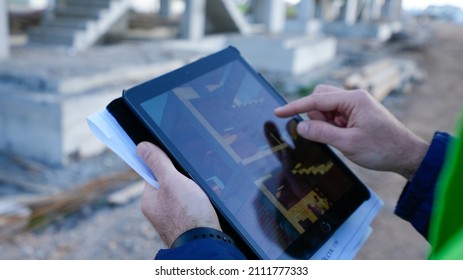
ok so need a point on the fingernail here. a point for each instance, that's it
(142, 150)
(302, 128)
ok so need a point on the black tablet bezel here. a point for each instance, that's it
(313, 238)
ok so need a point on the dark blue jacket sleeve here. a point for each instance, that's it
(416, 201)
(202, 249)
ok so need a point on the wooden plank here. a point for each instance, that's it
(384, 82)
(51, 206)
(127, 194)
(375, 67)
(46, 207)
(14, 217)
(379, 78)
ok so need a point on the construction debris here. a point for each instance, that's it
(13, 217)
(384, 76)
(127, 194)
(23, 211)
(25, 184)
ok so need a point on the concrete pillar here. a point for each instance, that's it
(4, 31)
(386, 10)
(350, 12)
(272, 13)
(194, 19)
(165, 8)
(366, 10)
(376, 8)
(398, 8)
(305, 21)
(328, 10)
(318, 9)
(306, 10)
(392, 9)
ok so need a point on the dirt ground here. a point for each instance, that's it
(104, 232)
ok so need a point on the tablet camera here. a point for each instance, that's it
(325, 227)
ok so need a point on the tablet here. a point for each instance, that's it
(280, 195)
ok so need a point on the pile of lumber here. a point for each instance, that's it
(28, 211)
(384, 76)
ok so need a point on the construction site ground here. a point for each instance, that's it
(102, 231)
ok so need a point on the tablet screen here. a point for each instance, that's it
(274, 185)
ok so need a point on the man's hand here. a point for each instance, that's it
(180, 204)
(360, 127)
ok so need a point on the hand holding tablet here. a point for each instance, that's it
(172, 200)
(278, 195)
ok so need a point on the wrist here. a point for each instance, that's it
(413, 158)
(202, 233)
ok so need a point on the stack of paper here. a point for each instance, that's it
(105, 127)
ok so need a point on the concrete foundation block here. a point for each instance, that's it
(77, 139)
(311, 27)
(377, 31)
(50, 128)
(290, 55)
(43, 111)
(27, 123)
(2, 125)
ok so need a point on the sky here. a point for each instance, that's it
(421, 4)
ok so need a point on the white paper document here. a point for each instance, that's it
(105, 127)
(343, 244)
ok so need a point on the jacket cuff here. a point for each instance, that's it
(202, 249)
(416, 201)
